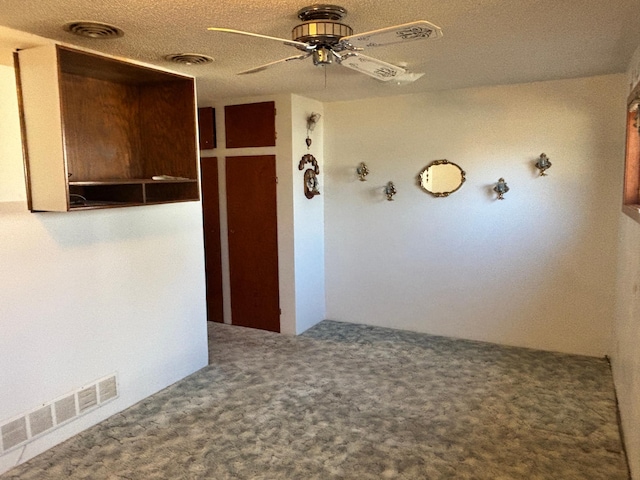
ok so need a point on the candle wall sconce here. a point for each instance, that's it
(390, 191)
(310, 176)
(501, 188)
(312, 121)
(362, 172)
(543, 164)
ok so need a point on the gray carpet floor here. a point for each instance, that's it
(349, 401)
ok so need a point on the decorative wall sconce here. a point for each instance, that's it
(543, 164)
(310, 176)
(312, 121)
(362, 172)
(390, 191)
(501, 188)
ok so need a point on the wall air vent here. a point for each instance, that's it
(188, 58)
(26, 427)
(41, 420)
(65, 409)
(108, 389)
(87, 398)
(95, 30)
(14, 433)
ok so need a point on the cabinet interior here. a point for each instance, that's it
(123, 124)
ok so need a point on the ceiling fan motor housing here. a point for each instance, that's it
(321, 25)
(321, 32)
(321, 11)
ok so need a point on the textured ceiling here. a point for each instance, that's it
(485, 42)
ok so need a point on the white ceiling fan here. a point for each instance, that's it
(322, 37)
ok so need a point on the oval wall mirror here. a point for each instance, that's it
(441, 178)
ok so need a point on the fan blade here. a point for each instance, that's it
(267, 65)
(406, 78)
(291, 43)
(407, 32)
(371, 66)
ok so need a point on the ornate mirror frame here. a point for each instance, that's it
(423, 178)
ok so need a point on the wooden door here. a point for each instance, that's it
(253, 241)
(212, 250)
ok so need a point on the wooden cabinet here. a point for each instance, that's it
(250, 125)
(102, 132)
(207, 128)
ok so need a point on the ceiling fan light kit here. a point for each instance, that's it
(322, 37)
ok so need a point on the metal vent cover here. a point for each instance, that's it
(107, 389)
(93, 30)
(65, 409)
(189, 58)
(42, 420)
(87, 398)
(14, 433)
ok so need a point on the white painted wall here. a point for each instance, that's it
(86, 294)
(534, 270)
(308, 217)
(625, 352)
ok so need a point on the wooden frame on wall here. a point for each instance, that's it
(631, 193)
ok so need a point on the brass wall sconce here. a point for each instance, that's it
(543, 164)
(312, 121)
(362, 172)
(310, 176)
(501, 188)
(390, 191)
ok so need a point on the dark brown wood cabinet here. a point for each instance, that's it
(207, 128)
(212, 243)
(102, 132)
(250, 125)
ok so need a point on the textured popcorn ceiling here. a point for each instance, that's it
(485, 41)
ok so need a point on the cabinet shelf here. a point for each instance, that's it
(130, 181)
(108, 124)
(129, 192)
